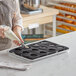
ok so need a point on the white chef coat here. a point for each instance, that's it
(10, 16)
(11, 10)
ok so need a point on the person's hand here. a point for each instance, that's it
(3, 28)
(2, 32)
(17, 31)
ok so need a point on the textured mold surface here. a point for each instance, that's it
(39, 49)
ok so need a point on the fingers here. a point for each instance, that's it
(2, 32)
(21, 39)
(16, 42)
(18, 34)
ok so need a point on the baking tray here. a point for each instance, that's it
(38, 50)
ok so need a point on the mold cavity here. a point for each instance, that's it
(43, 43)
(60, 47)
(42, 52)
(25, 52)
(51, 45)
(50, 50)
(33, 54)
(35, 49)
(18, 49)
(18, 52)
(36, 45)
(43, 47)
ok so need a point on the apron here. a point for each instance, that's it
(7, 9)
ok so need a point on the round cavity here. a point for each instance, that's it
(18, 49)
(34, 49)
(25, 52)
(43, 43)
(43, 47)
(26, 49)
(42, 52)
(25, 55)
(36, 45)
(51, 45)
(34, 55)
(52, 50)
(60, 47)
(18, 52)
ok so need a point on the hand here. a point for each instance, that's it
(17, 31)
(1, 32)
(3, 28)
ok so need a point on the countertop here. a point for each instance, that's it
(59, 65)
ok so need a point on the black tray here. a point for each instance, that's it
(38, 50)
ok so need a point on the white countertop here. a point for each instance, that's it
(60, 65)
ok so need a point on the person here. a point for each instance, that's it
(10, 16)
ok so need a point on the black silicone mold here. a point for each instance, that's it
(38, 50)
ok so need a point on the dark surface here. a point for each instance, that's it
(38, 50)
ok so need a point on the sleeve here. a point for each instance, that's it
(18, 18)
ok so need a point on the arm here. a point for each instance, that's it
(17, 19)
(17, 23)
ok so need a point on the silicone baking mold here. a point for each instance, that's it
(38, 50)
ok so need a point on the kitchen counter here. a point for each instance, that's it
(60, 65)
